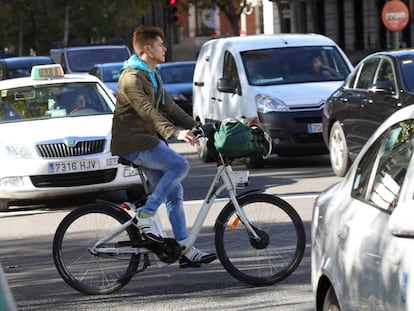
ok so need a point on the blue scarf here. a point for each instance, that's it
(137, 63)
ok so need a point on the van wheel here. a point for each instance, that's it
(338, 150)
(202, 150)
(4, 205)
(255, 162)
(330, 303)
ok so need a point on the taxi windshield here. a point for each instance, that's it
(53, 101)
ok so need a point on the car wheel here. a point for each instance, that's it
(4, 205)
(330, 303)
(338, 150)
(202, 150)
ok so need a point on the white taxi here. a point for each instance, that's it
(55, 132)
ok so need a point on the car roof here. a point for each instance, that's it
(28, 81)
(26, 61)
(91, 47)
(395, 53)
(263, 41)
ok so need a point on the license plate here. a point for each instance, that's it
(73, 166)
(314, 128)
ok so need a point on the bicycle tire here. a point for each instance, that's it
(280, 250)
(79, 268)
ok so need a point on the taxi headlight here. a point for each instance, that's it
(15, 151)
(267, 104)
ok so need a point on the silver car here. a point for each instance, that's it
(363, 227)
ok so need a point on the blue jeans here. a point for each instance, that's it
(165, 169)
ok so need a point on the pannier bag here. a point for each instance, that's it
(235, 139)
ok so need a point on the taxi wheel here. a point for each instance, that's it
(330, 302)
(4, 205)
(338, 150)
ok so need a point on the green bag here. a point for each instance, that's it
(237, 140)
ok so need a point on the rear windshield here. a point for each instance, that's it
(83, 60)
(53, 101)
(294, 65)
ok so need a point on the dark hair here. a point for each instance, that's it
(145, 36)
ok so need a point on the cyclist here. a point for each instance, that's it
(141, 126)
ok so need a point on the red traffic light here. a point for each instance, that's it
(172, 2)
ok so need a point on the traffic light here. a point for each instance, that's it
(172, 9)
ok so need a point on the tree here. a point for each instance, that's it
(232, 9)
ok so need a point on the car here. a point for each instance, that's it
(279, 79)
(51, 148)
(20, 66)
(80, 59)
(362, 230)
(177, 79)
(108, 73)
(380, 84)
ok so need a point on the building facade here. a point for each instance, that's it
(355, 25)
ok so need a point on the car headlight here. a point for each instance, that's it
(16, 151)
(267, 104)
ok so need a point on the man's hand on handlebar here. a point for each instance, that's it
(187, 136)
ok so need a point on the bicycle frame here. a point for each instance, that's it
(230, 179)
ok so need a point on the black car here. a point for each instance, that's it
(108, 73)
(177, 79)
(379, 85)
(21, 66)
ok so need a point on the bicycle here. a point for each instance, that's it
(259, 238)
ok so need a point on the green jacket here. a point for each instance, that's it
(141, 114)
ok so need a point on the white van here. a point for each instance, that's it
(283, 79)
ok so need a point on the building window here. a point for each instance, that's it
(206, 21)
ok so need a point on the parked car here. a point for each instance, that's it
(381, 83)
(80, 59)
(177, 79)
(108, 73)
(55, 133)
(282, 79)
(21, 66)
(362, 227)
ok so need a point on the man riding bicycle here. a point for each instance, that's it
(141, 126)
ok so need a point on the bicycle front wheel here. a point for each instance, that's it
(269, 259)
(79, 267)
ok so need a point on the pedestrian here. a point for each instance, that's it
(145, 117)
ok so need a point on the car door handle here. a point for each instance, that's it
(199, 83)
(343, 233)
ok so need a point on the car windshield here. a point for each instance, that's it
(177, 74)
(53, 101)
(407, 70)
(294, 65)
(82, 60)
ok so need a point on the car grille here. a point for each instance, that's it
(63, 150)
(74, 179)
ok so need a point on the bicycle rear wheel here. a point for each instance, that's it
(93, 273)
(279, 251)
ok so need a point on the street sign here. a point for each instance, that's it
(395, 15)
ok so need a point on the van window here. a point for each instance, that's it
(230, 70)
(294, 65)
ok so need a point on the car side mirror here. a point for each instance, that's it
(226, 85)
(401, 221)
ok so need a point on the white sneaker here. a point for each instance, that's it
(195, 257)
(147, 228)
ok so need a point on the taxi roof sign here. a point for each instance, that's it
(47, 72)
